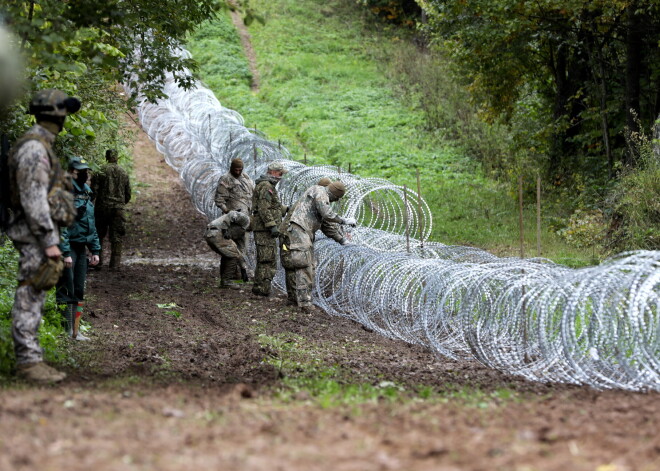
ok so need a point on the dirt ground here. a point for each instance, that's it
(194, 385)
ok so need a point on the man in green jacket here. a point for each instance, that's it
(75, 241)
(267, 212)
(112, 190)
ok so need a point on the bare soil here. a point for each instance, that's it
(189, 387)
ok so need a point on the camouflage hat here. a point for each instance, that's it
(338, 189)
(78, 163)
(277, 167)
(51, 102)
(325, 181)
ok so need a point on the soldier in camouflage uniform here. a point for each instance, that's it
(112, 190)
(310, 213)
(224, 235)
(234, 193)
(267, 213)
(41, 204)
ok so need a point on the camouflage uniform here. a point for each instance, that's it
(310, 213)
(233, 194)
(112, 189)
(232, 225)
(267, 211)
(32, 229)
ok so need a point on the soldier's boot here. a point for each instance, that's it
(115, 256)
(227, 273)
(39, 372)
(76, 335)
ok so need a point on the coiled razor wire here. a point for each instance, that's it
(597, 326)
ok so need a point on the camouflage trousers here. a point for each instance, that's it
(111, 222)
(298, 262)
(264, 273)
(28, 305)
(232, 258)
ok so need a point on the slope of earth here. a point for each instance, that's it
(181, 375)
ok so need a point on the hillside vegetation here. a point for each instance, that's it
(329, 90)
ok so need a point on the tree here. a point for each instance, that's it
(594, 62)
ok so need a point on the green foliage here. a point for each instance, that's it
(635, 201)
(592, 64)
(51, 333)
(585, 229)
(400, 12)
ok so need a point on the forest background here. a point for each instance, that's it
(473, 94)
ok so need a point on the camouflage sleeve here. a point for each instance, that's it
(32, 176)
(221, 196)
(265, 197)
(325, 211)
(332, 230)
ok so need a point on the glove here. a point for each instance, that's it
(244, 275)
(346, 242)
(274, 231)
(225, 234)
(349, 221)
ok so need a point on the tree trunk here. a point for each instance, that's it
(634, 43)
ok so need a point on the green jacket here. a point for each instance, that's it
(267, 210)
(83, 229)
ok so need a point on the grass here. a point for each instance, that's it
(306, 374)
(325, 92)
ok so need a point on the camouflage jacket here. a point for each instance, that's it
(312, 212)
(234, 193)
(267, 209)
(83, 229)
(112, 187)
(31, 169)
(232, 217)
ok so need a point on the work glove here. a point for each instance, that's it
(349, 221)
(346, 242)
(244, 275)
(274, 231)
(225, 234)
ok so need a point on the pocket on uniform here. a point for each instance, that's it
(292, 259)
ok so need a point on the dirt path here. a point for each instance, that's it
(223, 380)
(246, 41)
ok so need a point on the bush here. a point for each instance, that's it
(634, 200)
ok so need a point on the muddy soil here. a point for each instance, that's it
(178, 376)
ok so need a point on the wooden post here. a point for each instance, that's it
(305, 157)
(254, 154)
(420, 215)
(405, 202)
(520, 216)
(338, 169)
(209, 126)
(538, 216)
(279, 144)
(349, 167)
(230, 138)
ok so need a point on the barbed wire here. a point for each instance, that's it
(597, 326)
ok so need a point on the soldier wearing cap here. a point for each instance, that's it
(267, 212)
(112, 191)
(310, 213)
(234, 193)
(41, 202)
(76, 240)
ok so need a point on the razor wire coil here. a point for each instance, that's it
(597, 326)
